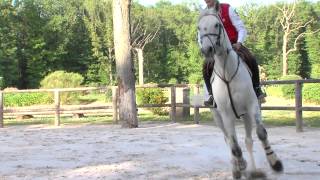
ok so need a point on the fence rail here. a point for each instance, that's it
(56, 109)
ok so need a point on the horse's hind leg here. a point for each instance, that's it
(273, 160)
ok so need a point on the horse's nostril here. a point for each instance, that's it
(208, 50)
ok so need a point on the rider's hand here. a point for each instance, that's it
(237, 45)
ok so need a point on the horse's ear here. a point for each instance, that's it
(201, 10)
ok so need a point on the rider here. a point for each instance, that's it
(237, 33)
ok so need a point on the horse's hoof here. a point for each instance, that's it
(243, 165)
(240, 164)
(236, 174)
(278, 167)
(257, 174)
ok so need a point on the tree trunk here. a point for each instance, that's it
(110, 67)
(285, 55)
(140, 60)
(124, 64)
(22, 60)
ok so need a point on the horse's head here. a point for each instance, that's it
(211, 32)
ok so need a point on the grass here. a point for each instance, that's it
(287, 118)
(67, 120)
(63, 120)
(270, 118)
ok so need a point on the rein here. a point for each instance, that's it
(228, 84)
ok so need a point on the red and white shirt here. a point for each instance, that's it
(231, 21)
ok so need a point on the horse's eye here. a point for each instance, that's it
(205, 29)
(217, 25)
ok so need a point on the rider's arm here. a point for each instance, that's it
(238, 24)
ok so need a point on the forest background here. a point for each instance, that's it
(38, 37)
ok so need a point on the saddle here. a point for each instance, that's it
(246, 56)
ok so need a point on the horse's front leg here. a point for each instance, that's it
(249, 141)
(238, 162)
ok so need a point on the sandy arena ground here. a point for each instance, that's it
(153, 151)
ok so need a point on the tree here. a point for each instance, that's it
(140, 39)
(8, 58)
(124, 63)
(313, 42)
(99, 23)
(293, 28)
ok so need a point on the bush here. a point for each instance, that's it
(152, 96)
(173, 81)
(108, 96)
(27, 99)
(311, 92)
(288, 91)
(62, 79)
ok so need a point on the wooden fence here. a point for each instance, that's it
(298, 108)
(185, 105)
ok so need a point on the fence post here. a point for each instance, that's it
(57, 107)
(196, 114)
(298, 102)
(186, 101)
(115, 103)
(173, 104)
(1, 109)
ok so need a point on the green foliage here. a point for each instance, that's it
(313, 52)
(311, 92)
(274, 90)
(62, 79)
(173, 81)
(1, 83)
(27, 99)
(288, 91)
(152, 96)
(108, 96)
(41, 36)
(93, 96)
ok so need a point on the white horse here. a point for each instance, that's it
(233, 93)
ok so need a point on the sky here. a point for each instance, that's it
(234, 3)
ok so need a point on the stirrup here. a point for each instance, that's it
(261, 95)
(210, 102)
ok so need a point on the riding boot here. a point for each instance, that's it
(256, 80)
(207, 70)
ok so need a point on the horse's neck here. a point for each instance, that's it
(226, 62)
